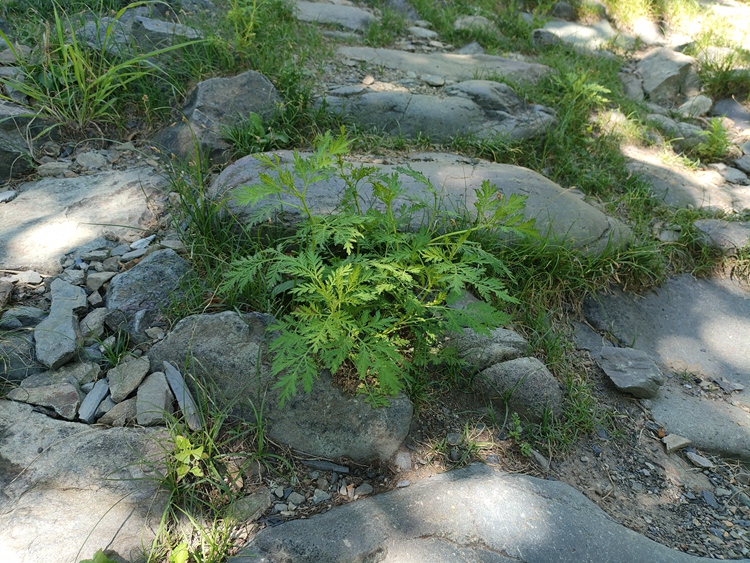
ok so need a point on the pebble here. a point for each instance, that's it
(363, 489)
(404, 483)
(133, 254)
(453, 438)
(710, 500)
(721, 492)
(322, 465)
(296, 498)
(674, 442)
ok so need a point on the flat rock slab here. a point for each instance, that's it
(54, 215)
(479, 108)
(586, 37)
(85, 491)
(733, 110)
(559, 214)
(631, 370)
(448, 65)
(728, 236)
(471, 514)
(349, 17)
(711, 426)
(689, 326)
(678, 187)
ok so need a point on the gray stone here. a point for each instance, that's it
(480, 108)
(226, 351)
(734, 110)
(682, 135)
(632, 86)
(52, 169)
(73, 277)
(6, 290)
(153, 284)
(723, 235)
(523, 385)
(126, 377)
(151, 34)
(22, 316)
(422, 33)
(472, 48)
(80, 372)
(92, 325)
(90, 404)
(89, 484)
(563, 10)
(402, 460)
(486, 510)
(104, 407)
(133, 254)
(474, 23)
(29, 277)
(632, 371)
(96, 280)
(63, 395)
(480, 351)
(667, 74)
(588, 38)
(678, 187)
(743, 163)
(687, 326)
(154, 401)
(453, 66)
(213, 104)
(51, 216)
(349, 17)
(648, 31)
(251, 507)
(17, 359)
(697, 106)
(92, 160)
(183, 395)
(363, 490)
(8, 195)
(142, 242)
(699, 461)
(558, 213)
(68, 296)
(296, 498)
(57, 337)
(674, 442)
(320, 496)
(120, 414)
(353, 428)
(14, 152)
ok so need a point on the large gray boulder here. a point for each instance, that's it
(448, 65)
(226, 351)
(471, 514)
(51, 216)
(69, 490)
(152, 285)
(668, 74)
(212, 105)
(478, 108)
(559, 214)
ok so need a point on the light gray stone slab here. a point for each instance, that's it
(64, 396)
(71, 489)
(494, 517)
(57, 338)
(727, 236)
(693, 326)
(68, 296)
(183, 395)
(349, 17)
(51, 216)
(452, 66)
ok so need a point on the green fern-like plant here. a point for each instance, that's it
(366, 291)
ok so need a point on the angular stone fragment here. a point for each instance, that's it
(21, 317)
(92, 325)
(69, 296)
(632, 371)
(349, 17)
(121, 414)
(57, 337)
(674, 442)
(252, 506)
(125, 378)
(667, 74)
(97, 279)
(154, 400)
(17, 358)
(184, 396)
(63, 395)
(154, 34)
(90, 405)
